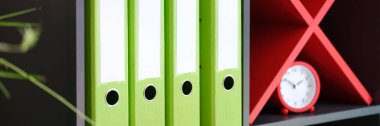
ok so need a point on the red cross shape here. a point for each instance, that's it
(284, 31)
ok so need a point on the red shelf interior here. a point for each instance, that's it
(287, 30)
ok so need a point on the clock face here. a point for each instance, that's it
(298, 87)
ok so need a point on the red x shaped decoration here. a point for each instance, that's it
(284, 31)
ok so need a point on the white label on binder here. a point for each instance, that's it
(149, 39)
(112, 41)
(186, 36)
(228, 34)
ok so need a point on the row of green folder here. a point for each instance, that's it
(163, 62)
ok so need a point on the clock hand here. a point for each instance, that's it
(292, 84)
(299, 83)
(289, 82)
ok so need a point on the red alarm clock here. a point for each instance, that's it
(298, 90)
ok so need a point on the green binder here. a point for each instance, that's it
(182, 63)
(106, 62)
(146, 53)
(221, 67)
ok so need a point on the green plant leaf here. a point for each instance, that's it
(30, 33)
(18, 13)
(47, 90)
(5, 91)
(12, 75)
(16, 24)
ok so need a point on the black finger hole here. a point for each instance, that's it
(228, 83)
(187, 87)
(112, 97)
(150, 92)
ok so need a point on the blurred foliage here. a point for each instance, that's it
(30, 33)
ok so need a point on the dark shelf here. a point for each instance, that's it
(325, 112)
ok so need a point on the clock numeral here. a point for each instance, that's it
(309, 86)
(308, 94)
(294, 70)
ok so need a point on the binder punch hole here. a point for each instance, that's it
(112, 97)
(187, 87)
(228, 83)
(150, 92)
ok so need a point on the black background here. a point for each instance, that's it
(53, 57)
(353, 26)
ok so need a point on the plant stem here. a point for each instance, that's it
(15, 24)
(12, 75)
(5, 91)
(14, 14)
(46, 89)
